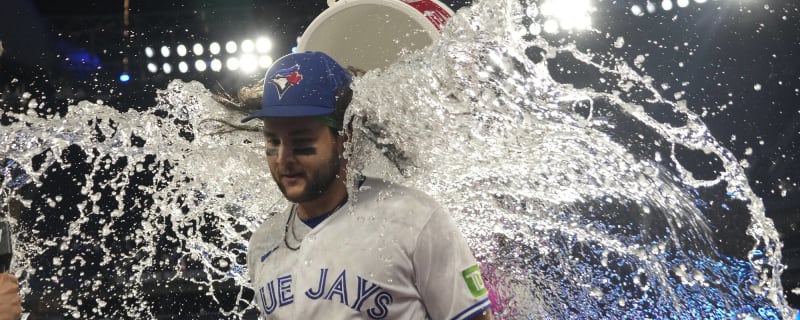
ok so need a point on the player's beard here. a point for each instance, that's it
(318, 182)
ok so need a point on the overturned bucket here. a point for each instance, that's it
(370, 34)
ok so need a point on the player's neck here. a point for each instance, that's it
(326, 203)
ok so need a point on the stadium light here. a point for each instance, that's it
(570, 14)
(551, 26)
(637, 10)
(197, 49)
(214, 48)
(165, 51)
(248, 63)
(230, 47)
(148, 52)
(167, 68)
(183, 67)
(216, 65)
(152, 67)
(181, 50)
(666, 5)
(248, 46)
(263, 45)
(232, 64)
(200, 65)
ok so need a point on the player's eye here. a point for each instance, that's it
(305, 151)
(273, 142)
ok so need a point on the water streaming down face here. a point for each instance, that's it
(577, 202)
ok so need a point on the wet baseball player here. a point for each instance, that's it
(385, 252)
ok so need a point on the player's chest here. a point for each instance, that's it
(334, 270)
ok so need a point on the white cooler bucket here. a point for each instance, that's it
(369, 34)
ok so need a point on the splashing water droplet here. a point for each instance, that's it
(619, 43)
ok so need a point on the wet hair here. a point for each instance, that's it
(343, 100)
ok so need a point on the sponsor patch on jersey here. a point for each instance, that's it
(472, 276)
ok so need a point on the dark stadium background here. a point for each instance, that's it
(67, 51)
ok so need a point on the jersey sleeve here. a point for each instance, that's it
(446, 274)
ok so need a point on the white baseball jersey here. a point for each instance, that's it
(390, 253)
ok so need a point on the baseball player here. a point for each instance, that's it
(385, 252)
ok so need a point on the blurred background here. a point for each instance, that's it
(735, 62)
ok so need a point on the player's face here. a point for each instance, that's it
(303, 156)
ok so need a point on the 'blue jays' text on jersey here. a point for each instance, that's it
(389, 253)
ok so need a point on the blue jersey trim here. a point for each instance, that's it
(473, 310)
(315, 221)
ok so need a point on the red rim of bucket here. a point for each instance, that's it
(436, 13)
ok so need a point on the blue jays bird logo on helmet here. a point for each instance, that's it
(286, 78)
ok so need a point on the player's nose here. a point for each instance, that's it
(286, 154)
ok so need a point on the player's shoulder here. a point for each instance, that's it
(381, 189)
(388, 196)
(270, 230)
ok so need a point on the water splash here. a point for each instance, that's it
(572, 193)
(579, 203)
(133, 203)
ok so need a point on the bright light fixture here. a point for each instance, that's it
(214, 48)
(197, 49)
(263, 45)
(152, 67)
(167, 68)
(200, 65)
(230, 47)
(570, 14)
(183, 67)
(165, 51)
(148, 52)
(216, 65)
(248, 63)
(232, 64)
(181, 50)
(651, 7)
(248, 46)
(551, 26)
(666, 5)
(637, 10)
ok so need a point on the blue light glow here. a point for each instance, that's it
(124, 77)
